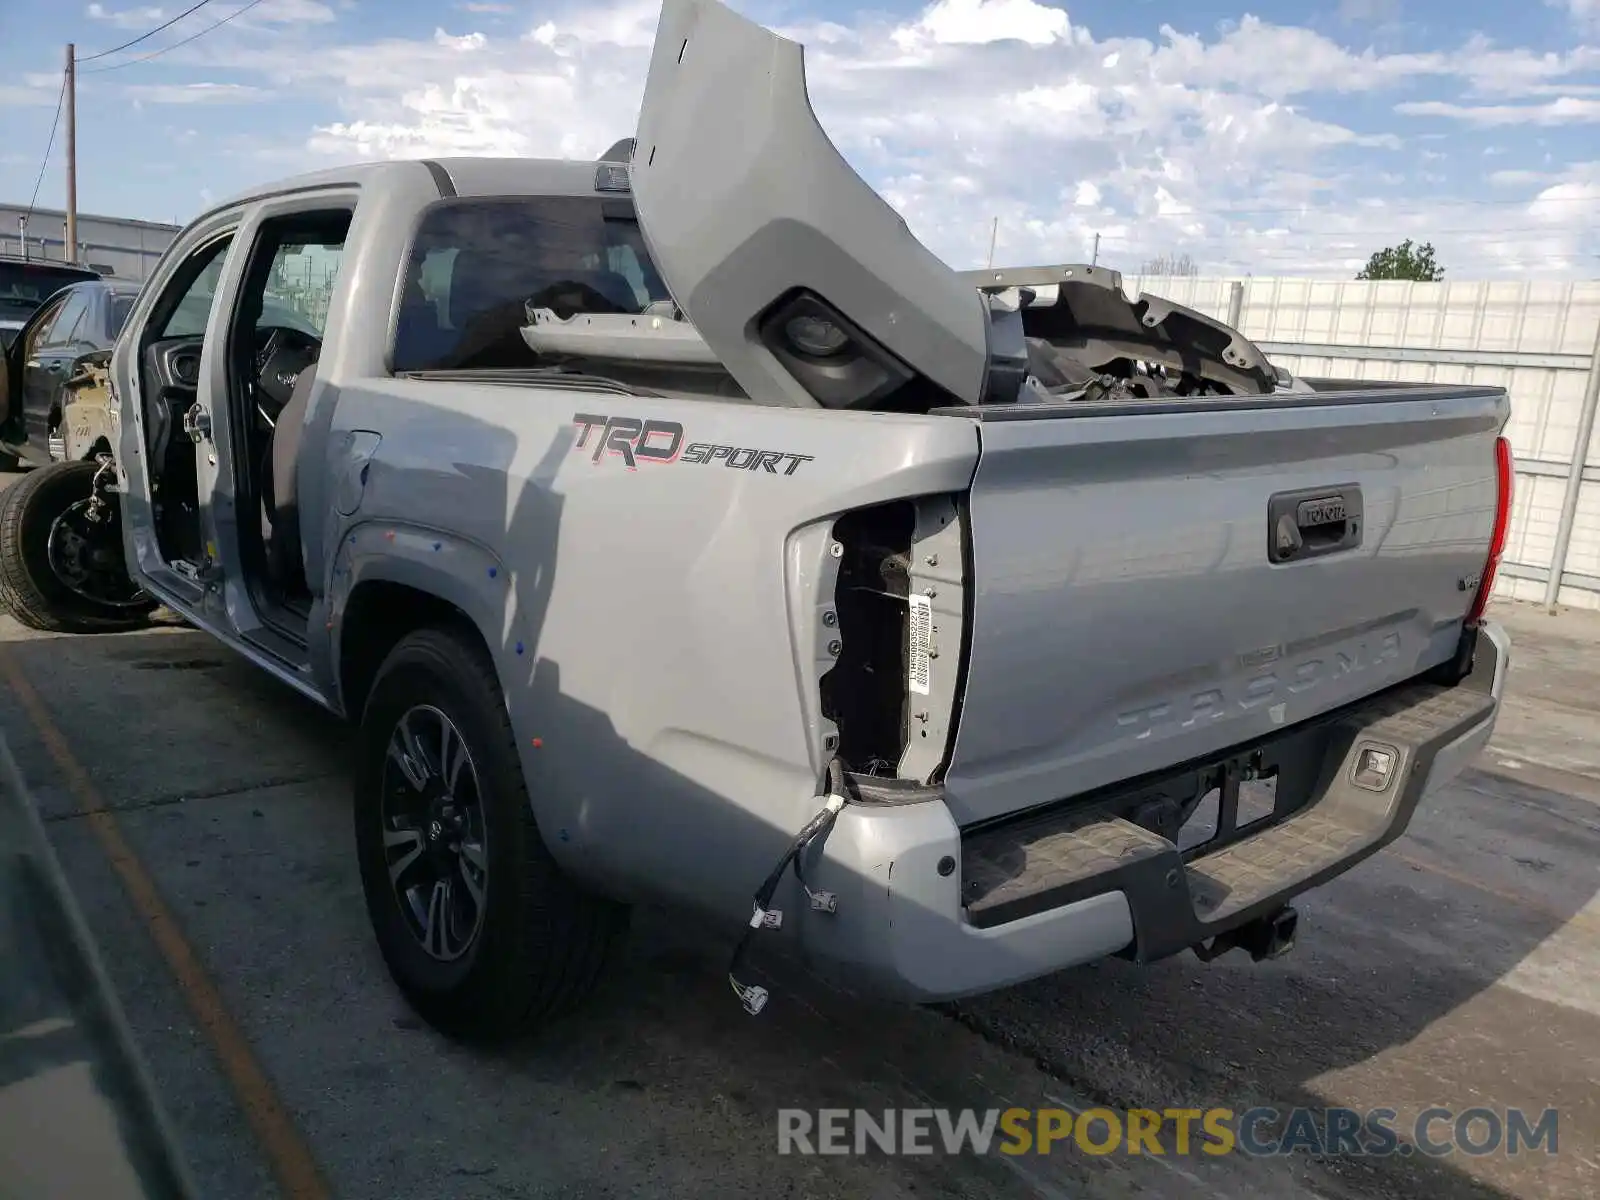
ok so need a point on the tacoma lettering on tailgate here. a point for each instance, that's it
(1241, 695)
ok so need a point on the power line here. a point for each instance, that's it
(49, 146)
(142, 36)
(167, 49)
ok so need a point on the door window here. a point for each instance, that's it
(196, 284)
(41, 331)
(299, 286)
(63, 330)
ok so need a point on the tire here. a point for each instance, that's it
(543, 940)
(30, 588)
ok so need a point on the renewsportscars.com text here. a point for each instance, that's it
(1256, 1132)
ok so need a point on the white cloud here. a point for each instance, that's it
(1374, 11)
(980, 22)
(621, 25)
(1221, 145)
(468, 41)
(194, 93)
(1519, 72)
(1518, 177)
(1279, 60)
(13, 95)
(127, 18)
(1567, 110)
(288, 12)
(1584, 13)
(268, 12)
(1576, 188)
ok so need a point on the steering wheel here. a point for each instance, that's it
(283, 354)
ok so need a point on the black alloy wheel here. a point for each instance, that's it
(481, 930)
(433, 832)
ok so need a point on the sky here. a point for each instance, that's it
(1264, 137)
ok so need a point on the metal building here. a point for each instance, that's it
(1540, 340)
(116, 246)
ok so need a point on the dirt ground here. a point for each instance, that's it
(1461, 967)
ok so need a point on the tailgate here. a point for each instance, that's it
(1127, 614)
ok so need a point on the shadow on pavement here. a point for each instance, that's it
(78, 1115)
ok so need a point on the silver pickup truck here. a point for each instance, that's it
(677, 528)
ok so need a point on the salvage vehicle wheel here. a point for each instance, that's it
(477, 924)
(61, 562)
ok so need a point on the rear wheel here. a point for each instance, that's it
(61, 560)
(479, 928)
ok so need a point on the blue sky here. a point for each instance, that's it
(1268, 136)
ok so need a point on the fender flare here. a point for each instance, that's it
(462, 573)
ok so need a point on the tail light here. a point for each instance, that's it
(897, 634)
(1505, 477)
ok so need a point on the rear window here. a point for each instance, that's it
(24, 286)
(477, 265)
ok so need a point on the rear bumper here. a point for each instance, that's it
(1064, 888)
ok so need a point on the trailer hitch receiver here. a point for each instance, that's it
(1271, 936)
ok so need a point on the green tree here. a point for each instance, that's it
(1404, 261)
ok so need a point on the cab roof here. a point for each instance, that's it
(461, 176)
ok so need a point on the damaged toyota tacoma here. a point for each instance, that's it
(677, 528)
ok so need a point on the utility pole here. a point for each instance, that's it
(72, 153)
(994, 232)
(1095, 261)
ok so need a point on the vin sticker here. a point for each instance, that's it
(920, 636)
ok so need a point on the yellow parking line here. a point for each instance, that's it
(290, 1157)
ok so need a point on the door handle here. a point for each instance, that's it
(1310, 523)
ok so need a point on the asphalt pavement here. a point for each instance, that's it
(201, 814)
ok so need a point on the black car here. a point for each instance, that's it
(78, 320)
(26, 283)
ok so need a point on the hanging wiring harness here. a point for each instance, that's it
(831, 791)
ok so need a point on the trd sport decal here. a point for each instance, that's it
(630, 438)
(635, 441)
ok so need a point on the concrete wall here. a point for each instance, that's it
(1538, 340)
(130, 248)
